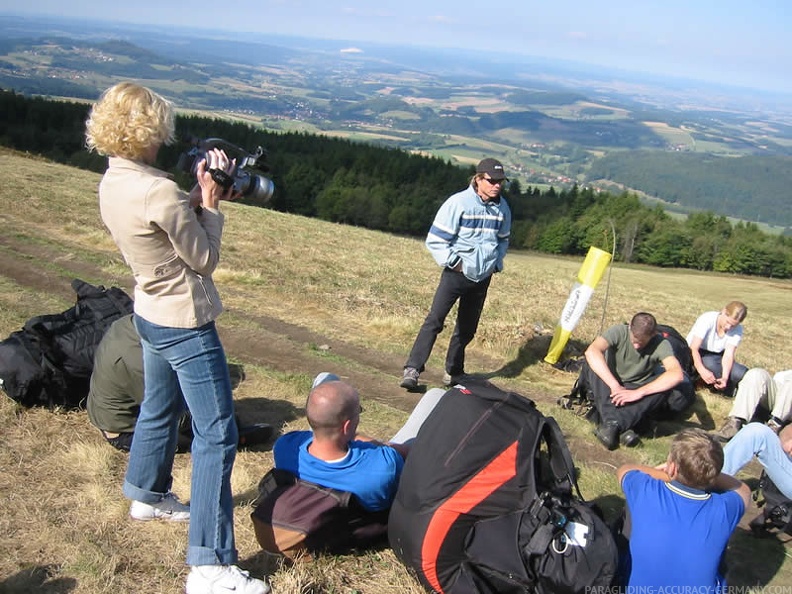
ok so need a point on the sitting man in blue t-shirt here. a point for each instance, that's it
(681, 515)
(333, 454)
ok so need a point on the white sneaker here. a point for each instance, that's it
(168, 508)
(222, 579)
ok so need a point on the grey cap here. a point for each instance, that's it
(325, 377)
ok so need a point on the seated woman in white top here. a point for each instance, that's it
(713, 340)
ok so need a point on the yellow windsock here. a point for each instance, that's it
(589, 275)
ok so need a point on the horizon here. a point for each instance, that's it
(721, 43)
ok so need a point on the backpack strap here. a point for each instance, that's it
(561, 463)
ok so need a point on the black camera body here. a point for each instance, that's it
(244, 179)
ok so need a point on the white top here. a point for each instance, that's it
(705, 328)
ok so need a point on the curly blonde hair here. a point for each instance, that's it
(128, 120)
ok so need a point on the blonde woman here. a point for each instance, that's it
(713, 341)
(171, 241)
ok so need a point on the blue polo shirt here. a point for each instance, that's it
(678, 533)
(369, 471)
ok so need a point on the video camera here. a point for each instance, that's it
(257, 188)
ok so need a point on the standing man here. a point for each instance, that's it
(468, 239)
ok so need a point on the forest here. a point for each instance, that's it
(731, 184)
(398, 192)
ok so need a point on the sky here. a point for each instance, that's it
(743, 43)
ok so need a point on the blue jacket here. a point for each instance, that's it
(470, 230)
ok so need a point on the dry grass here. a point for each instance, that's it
(63, 515)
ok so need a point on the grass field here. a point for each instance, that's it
(357, 298)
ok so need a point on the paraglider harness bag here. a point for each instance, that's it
(776, 509)
(49, 361)
(488, 502)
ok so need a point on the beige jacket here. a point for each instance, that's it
(172, 250)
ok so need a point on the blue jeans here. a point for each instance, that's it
(714, 362)
(757, 439)
(453, 287)
(194, 360)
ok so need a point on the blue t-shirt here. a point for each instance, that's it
(369, 471)
(678, 533)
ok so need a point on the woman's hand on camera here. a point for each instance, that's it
(211, 191)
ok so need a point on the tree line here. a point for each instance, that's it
(756, 188)
(399, 192)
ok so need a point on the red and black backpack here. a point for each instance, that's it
(486, 504)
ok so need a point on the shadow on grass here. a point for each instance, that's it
(755, 561)
(533, 351)
(38, 579)
(261, 409)
(611, 506)
(696, 416)
(264, 410)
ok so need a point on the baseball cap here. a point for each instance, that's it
(491, 167)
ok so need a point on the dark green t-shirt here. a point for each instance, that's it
(629, 365)
(117, 379)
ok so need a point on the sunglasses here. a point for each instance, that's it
(495, 182)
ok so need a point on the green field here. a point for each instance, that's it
(304, 296)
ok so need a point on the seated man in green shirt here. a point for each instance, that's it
(630, 372)
(117, 390)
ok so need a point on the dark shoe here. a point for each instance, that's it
(566, 402)
(774, 424)
(730, 428)
(629, 439)
(410, 378)
(608, 434)
(254, 434)
(452, 380)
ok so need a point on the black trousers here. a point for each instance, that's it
(629, 415)
(453, 287)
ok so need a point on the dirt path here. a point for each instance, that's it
(270, 342)
(277, 344)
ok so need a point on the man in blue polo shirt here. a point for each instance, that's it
(681, 516)
(333, 454)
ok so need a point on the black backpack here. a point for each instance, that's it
(776, 509)
(488, 502)
(49, 362)
(680, 348)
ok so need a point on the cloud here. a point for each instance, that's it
(351, 50)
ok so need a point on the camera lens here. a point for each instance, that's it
(257, 188)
